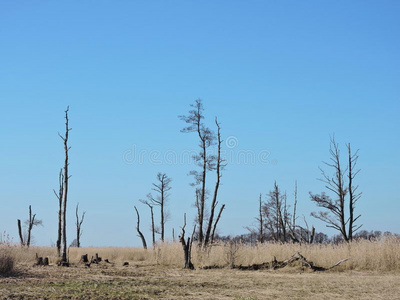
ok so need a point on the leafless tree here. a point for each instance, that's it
(207, 162)
(140, 234)
(260, 221)
(335, 214)
(162, 187)
(29, 223)
(59, 196)
(354, 195)
(219, 166)
(276, 214)
(79, 225)
(153, 229)
(258, 229)
(64, 258)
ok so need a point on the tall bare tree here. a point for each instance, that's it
(78, 224)
(64, 258)
(153, 229)
(140, 234)
(354, 195)
(335, 214)
(162, 187)
(195, 124)
(207, 162)
(219, 166)
(59, 196)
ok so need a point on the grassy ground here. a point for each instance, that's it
(148, 281)
(372, 272)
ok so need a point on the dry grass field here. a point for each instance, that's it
(373, 272)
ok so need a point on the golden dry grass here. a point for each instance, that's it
(383, 255)
(371, 273)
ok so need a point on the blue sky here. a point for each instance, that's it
(280, 75)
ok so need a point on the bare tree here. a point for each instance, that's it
(59, 196)
(64, 258)
(29, 223)
(140, 234)
(354, 195)
(214, 203)
(204, 160)
(276, 214)
(260, 222)
(153, 230)
(335, 214)
(79, 225)
(162, 187)
(258, 229)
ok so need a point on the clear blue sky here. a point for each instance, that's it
(280, 75)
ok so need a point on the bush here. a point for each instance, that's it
(7, 262)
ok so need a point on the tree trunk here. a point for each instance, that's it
(140, 234)
(20, 233)
(214, 201)
(64, 258)
(216, 222)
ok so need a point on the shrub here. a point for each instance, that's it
(7, 261)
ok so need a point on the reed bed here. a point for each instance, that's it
(365, 255)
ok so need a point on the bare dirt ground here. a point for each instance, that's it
(141, 281)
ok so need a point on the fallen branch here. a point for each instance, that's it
(275, 264)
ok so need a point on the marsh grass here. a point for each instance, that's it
(377, 255)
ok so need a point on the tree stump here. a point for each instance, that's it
(84, 258)
(39, 261)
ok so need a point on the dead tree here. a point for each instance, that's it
(297, 233)
(214, 203)
(162, 187)
(204, 160)
(64, 258)
(79, 225)
(21, 238)
(292, 226)
(276, 214)
(354, 195)
(153, 230)
(258, 228)
(32, 221)
(59, 196)
(335, 214)
(140, 234)
(29, 223)
(187, 246)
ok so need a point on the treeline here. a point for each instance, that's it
(252, 238)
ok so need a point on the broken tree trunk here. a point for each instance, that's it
(140, 234)
(187, 246)
(20, 233)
